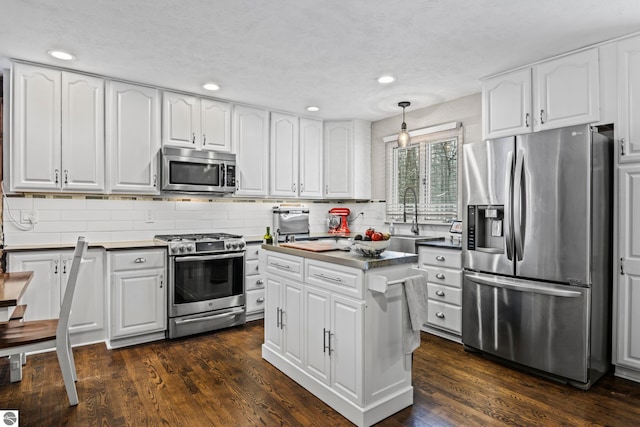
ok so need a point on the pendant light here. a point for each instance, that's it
(403, 136)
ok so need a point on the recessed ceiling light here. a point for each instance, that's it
(386, 79)
(313, 108)
(211, 86)
(59, 54)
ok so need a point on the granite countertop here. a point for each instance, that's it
(348, 258)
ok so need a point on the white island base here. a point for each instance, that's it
(328, 331)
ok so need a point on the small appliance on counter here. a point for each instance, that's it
(290, 219)
(338, 223)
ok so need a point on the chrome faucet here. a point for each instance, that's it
(414, 225)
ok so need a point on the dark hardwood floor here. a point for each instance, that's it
(219, 379)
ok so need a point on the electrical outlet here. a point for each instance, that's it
(28, 216)
(149, 217)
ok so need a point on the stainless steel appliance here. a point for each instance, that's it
(206, 282)
(194, 171)
(537, 251)
(290, 220)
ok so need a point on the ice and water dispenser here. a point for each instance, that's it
(484, 228)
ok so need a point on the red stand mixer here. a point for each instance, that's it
(338, 223)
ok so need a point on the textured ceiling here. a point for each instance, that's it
(287, 54)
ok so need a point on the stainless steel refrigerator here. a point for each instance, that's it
(537, 252)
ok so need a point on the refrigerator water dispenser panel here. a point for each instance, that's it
(484, 229)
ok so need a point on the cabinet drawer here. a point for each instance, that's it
(336, 278)
(137, 260)
(439, 257)
(444, 276)
(444, 316)
(255, 300)
(251, 267)
(253, 282)
(284, 265)
(252, 252)
(442, 293)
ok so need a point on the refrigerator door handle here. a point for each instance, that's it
(508, 233)
(497, 282)
(517, 205)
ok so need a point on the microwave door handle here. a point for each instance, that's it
(223, 170)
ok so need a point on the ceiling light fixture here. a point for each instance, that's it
(386, 79)
(313, 108)
(211, 86)
(403, 136)
(59, 54)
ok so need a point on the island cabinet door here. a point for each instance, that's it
(317, 324)
(291, 322)
(346, 346)
(272, 331)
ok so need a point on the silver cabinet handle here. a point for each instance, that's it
(440, 258)
(526, 120)
(293, 187)
(204, 139)
(260, 300)
(281, 319)
(275, 264)
(259, 282)
(57, 173)
(440, 315)
(326, 189)
(440, 293)
(622, 266)
(66, 176)
(140, 260)
(55, 267)
(278, 317)
(301, 187)
(64, 266)
(440, 276)
(193, 139)
(622, 146)
(333, 279)
(155, 180)
(324, 340)
(541, 118)
(161, 281)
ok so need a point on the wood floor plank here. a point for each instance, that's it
(220, 379)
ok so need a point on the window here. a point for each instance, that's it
(429, 167)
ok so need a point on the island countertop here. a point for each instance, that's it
(348, 258)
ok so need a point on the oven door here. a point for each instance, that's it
(202, 283)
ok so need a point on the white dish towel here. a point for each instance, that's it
(415, 313)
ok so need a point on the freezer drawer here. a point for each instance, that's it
(540, 325)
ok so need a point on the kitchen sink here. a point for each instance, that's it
(406, 242)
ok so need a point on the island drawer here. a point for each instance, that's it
(284, 265)
(444, 316)
(336, 278)
(439, 257)
(444, 294)
(444, 276)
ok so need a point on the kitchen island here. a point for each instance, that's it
(330, 331)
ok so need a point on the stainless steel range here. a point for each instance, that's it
(206, 282)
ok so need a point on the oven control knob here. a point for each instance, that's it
(182, 248)
(174, 249)
(234, 245)
(191, 247)
(241, 245)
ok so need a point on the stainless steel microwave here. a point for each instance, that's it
(194, 171)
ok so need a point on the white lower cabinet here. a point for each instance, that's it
(138, 296)
(43, 296)
(444, 291)
(253, 283)
(338, 340)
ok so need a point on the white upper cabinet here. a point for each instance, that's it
(553, 94)
(251, 144)
(284, 155)
(58, 131)
(191, 122)
(311, 154)
(628, 125)
(347, 159)
(133, 138)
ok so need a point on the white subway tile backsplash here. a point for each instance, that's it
(109, 225)
(31, 239)
(127, 215)
(59, 226)
(110, 204)
(18, 203)
(59, 204)
(77, 215)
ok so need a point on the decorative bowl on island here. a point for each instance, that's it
(370, 248)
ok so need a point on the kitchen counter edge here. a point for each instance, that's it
(133, 244)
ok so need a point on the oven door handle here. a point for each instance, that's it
(215, 316)
(208, 257)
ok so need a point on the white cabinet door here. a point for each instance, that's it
(346, 344)
(139, 302)
(628, 125)
(273, 291)
(338, 146)
(82, 133)
(627, 290)
(42, 295)
(292, 322)
(88, 306)
(181, 120)
(133, 138)
(284, 155)
(36, 148)
(317, 324)
(567, 91)
(310, 155)
(215, 125)
(251, 143)
(506, 104)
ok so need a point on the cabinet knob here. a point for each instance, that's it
(622, 146)
(140, 260)
(440, 276)
(440, 315)
(259, 282)
(193, 139)
(526, 120)
(541, 117)
(155, 180)
(260, 300)
(440, 293)
(440, 258)
(66, 176)
(57, 172)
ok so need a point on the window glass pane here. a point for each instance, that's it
(408, 171)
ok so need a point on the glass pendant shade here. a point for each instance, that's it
(403, 136)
